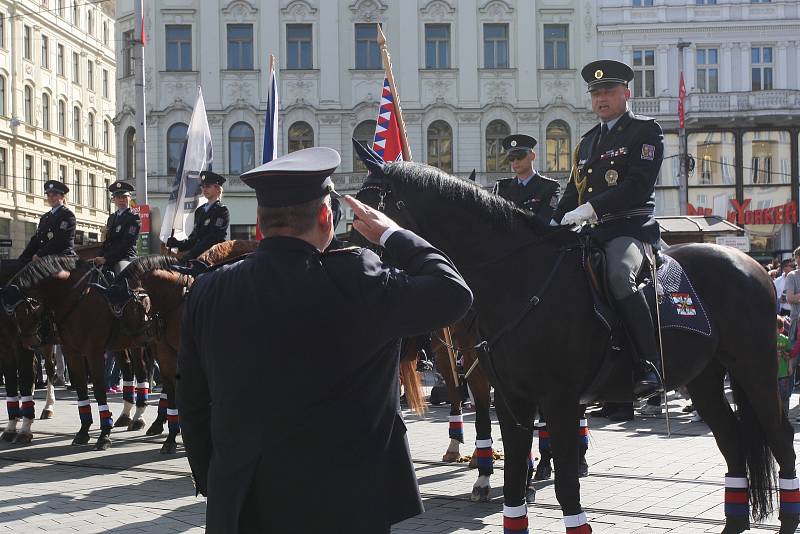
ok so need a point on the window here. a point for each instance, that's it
(2, 96)
(45, 52)
(299, 46)
(179, 47)
(27, 183)
(27, 45)
(761, 67)
(707, 70)
(176, 136)
(61, 11)
(92, 194)
(62, 174)
(60, 61)
(105, 83)
(130, 154)
(760, 1)
(76, 68)
(368, 55)
(364, 134)
(3, 168)
(107, 198)
(45, 170)
(437, 46)
(105, 33)
(90, 22)
(90, 129)
(77, 193)
(243, 231)
(240, 47)
(62, 118)
(75, 17)
(28, 110)
(767, 159)
(706, 2)
(127, 53)
(558, 147)
(495, 155)
(45, 112)
(556, 46)
(5, 231)
(90, 75)
(106, 136)
(241, 147)
(300, 136)
(642, 3)
(644, 73)
(440, 146)
(495, 46)
(76, 123)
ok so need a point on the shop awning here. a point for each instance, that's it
(697, 224)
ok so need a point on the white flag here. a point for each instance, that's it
(196, 157)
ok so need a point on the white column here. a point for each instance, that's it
(627, 55)
(662, 66)
(528, 44)
(725, 68)
(404, 46)
(780, 66)
(744, 77)
(689, 67)
(469, 48)
(328, 51)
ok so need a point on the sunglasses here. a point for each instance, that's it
(512, 156)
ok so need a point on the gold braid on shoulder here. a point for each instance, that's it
(580, 185)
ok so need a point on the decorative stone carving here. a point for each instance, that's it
(497, 90)
(437, 11)
(367, 10)
(439, 88)
(528, 117)
(588, 21)
(412, 118)
(299, 11)
(469, 117)
(496, 10)
(148, 77)
(299, 88)
(215, 120)
(330, 119)
(240, 89)
(152, 120)
(240, 10)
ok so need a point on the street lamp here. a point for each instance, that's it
(683, 174)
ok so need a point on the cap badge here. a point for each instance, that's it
(598, 74)
(513, 143)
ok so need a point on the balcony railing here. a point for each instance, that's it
(774, 100)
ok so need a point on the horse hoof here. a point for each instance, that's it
(46, 414)
(122, 421)
(8, 436)
(543, 472)
(170, 447)
(450, 456)
(480, 494)
(155, 430)
(103, 443)
(23, 438)
(737, 525)
(81, 439)
(530, 495)
(136, 425)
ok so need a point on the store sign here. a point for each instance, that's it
(742, 215)
(742, 242)
(143, 243)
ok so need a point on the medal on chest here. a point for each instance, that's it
(118, 229)
(611, 177)
(50, 234)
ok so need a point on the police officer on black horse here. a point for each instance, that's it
(210, 220)
(56, 231)
(613, 189)
(529, 190)
(122, 230)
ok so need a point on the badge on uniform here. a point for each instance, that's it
(554, 201)
(611, 177)
(206, 222)
(220, 223)
(119, 228)
(648, 152)
(50, 235)
(64, 225)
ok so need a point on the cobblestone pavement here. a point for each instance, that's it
(641, 481)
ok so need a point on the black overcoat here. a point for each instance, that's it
(210, 228)
(539, 195)
(121, 233)
(54, 235)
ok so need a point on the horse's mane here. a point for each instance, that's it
(36, 271)
(496, 210)
(227, 250)
(144, 264)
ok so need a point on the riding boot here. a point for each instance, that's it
(636, 316)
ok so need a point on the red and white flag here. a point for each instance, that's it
(681, 102)
(387, 141)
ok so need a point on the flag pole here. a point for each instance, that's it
(387, 67)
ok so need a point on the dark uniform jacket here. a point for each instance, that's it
(121, 233)
(210, 228)
(621, 177)
(319, 334)
(54, 235)
(539, 195)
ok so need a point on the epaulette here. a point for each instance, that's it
(504, 180)
(548, 179)
(342, 250)
(596, 126)
(642, 118)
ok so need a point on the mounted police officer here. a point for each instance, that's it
(529, 190)
(613, 188)
(56, 231)
(275, 307)
(210, 220)
(122, 231)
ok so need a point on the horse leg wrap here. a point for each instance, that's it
(531, 462)
(12, 405)
(456, 429)
(142, 392)
(790, 496)
(173, 421)
(576, 524)
(127, 391)
(515, 519)
(85, 411)
(106, 421)
(736, 499)
(583, 432)
(162, 407)
(484, 456)
(28, 409)
(544, 439)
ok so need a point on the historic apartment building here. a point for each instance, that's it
(470, 72)
(57, 86)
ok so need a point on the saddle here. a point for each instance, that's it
(118, 295)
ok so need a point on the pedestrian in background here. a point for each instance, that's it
(787, 266)
(786, 360)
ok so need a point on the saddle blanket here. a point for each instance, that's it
(680, 307)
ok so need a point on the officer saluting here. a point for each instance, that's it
(122, 230)
(529, 190)
(210, 220)
(56, 231)
(323, 330)
(613, 186)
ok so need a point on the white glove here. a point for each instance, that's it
(584, 212)
(553, 222)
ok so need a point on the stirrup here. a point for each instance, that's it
(644, 390)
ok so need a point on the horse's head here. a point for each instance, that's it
(26, 313)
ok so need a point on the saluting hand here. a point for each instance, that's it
(369, 222)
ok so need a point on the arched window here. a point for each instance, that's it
(62, 118)
(364, 134)
(440, 146)
(106, 136)
(176, 135)
(558, 147)
(300, 136)
(2, 96)
(130, 153)
(76, 123)
(46, 112)
(90, 129)
(28, 104)
(241, 147)
(495, 155)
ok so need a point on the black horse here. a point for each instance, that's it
(541, 361)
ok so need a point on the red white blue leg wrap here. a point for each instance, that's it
(576, 524)
(456, 429)
(12, 405)
(736, 498)
(28, 410)
(173, 421)
(127, 391)
(106, 421)
(142, 392)
(85, 411)
(484, 456)
(790, 496)
(515, 519)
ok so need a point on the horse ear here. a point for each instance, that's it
(371, 159)
(472, 176)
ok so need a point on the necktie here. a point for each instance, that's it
(603, 134)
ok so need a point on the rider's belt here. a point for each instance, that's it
(637, 212)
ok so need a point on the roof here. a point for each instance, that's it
(711, 224)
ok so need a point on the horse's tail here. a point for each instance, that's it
(412, 386)
(760, 465)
